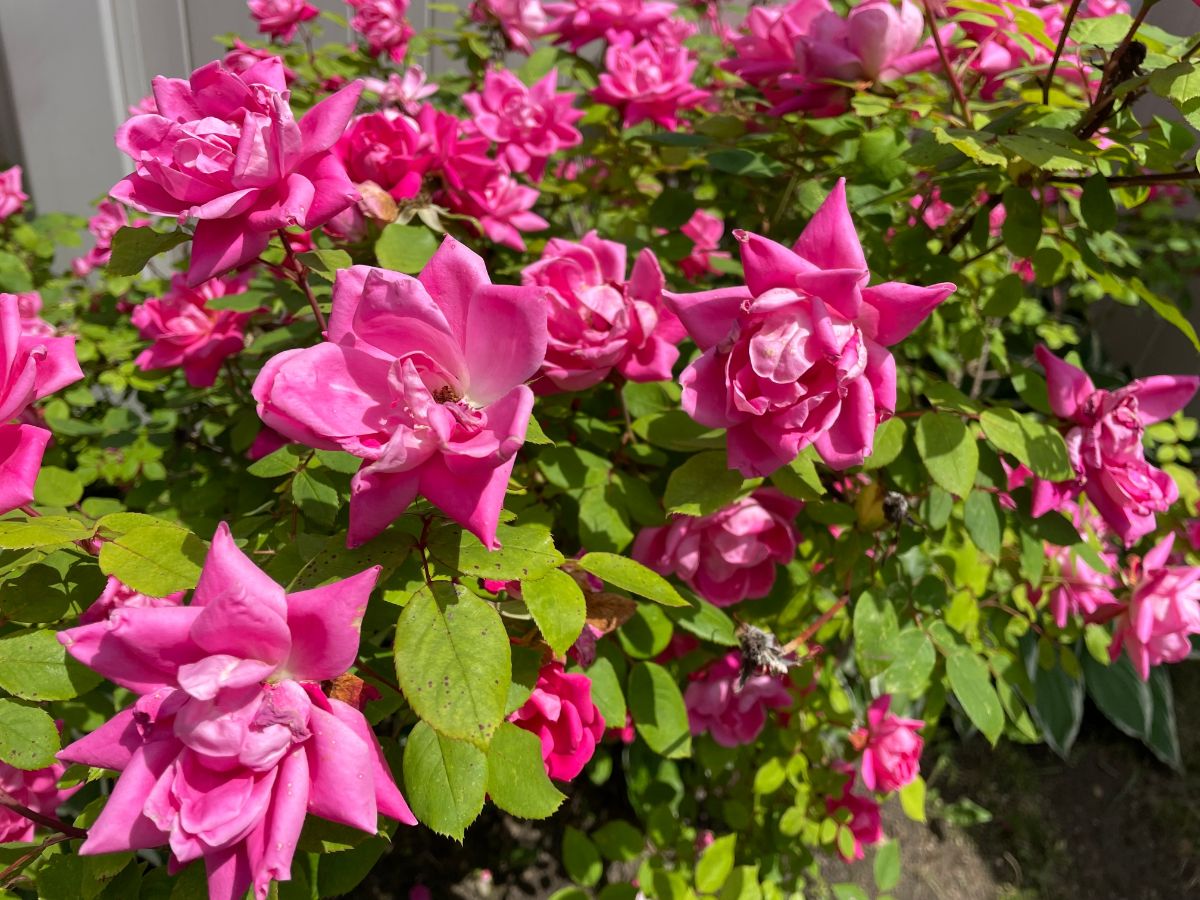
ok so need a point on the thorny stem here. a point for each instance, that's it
(951, 75)
(9, 875)
(30, 511)
(1143, 179)
(981, 363)
(1062, 42)
(802, 637)
(386, 682)
(9, 802)
(298, 274)
(1101, 106)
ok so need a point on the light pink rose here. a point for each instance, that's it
(1105, 442)
(1082, 591)
(31, 367)
(798, 356)
(561, 713)
(35, 789)
(503, 206)
(598, 321)
(647, 80)
(225, 150)
(579, 22)
(521, 20)
(231, 741)
(188, 334)
(12, 198)
(705, 231)
(240, 58)
(732, 715)
(383, 24)
(528, 125)
(1162, 615)
(281, 18)
(865, 823)
(426, 395)
(120, 596)
(891, 748)
(403, 92)
(110, 218)
(730, 555)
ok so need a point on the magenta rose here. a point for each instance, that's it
(503, 206)
(648, 80)
(561, 713)
(231, 741)
(187, 334)
(891, 748)
(798, 356)
(705, 231)
(413, 381)
(1157, 625)
(12, 198)
(1081, 590)
(732, 714)
(599, 321)
(865, 823)
(579, 22)
(528, 125)
(520, 20)
(32, 366)
(120, 596)
(224, 149)
(280, 18)
(35, 789)
(29, 306)
(384, 24)
(730, 555)
(1105, 442)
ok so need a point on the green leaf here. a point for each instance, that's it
(557, 605)
(535, 435)
(526, 664)
(972, 685)
(887, 866)
(606, 692)
(619, 841)
(948, 451)
(715, 864)
(1036, 444)
(912, 799)
(1058, 700)
(702, 485)
(913, 659)
(14, 274)
(316, 496)
(1050, 155)
(405, 248)
(444, 781)
(889, 444)
(742, 884)
(132, 248)
(1165, 308)
(35, 666)
(28, 737)
(706, 622)
(452, 658)
(1006, 295)
(45, 531)
(1022, 228)
(154, 560)
(747, 163)
(1120, 694)
(517, 781)
(57, 487)
(326, 262)
(646, 633)
(526, 551)
(581, 859)
(1096, 204)
(982, 516)
(875, 631)
(658, 710)
(631, 576)
(672, 208)
(1164, 735)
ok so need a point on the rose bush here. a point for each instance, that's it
(715, 413)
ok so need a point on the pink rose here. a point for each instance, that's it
(12, 198)
(120, 596)
(404, 92)
(705, 231)
(187, 334)
(561, 713)
(35, 789)
(1082, 591)
(225, 150)
(280, 18)
(733, 715)
(386, 148)
(231, 741)
(797, 356)
(891, 748)
(521, 20)
(865, 823)
(598, 321)
(240, 58)
(730, 555)
(528, 125)
(266, 442)
(110, 218)
(427, 396)
(766, 50)
(503, 206)
(31, 367)
(579, 22)
(1105, 443)
(1165, 611)
(29, 306)
(648, 80)
(383, 24)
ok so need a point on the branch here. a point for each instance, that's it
(1096, 114)
(1062, 42)
(1146, 178)
(955, 84)
(10, 802)
(298, 274)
